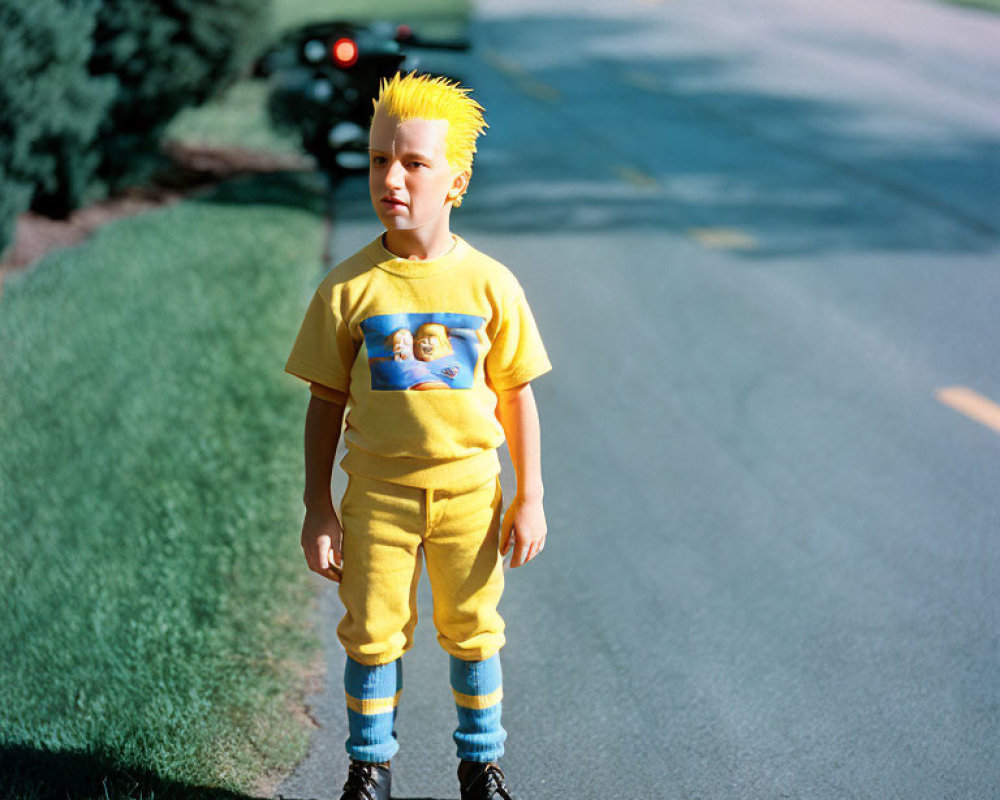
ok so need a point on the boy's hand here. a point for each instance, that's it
(524, 528)
(321, 541)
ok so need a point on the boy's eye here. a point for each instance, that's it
(378, 159)
(417, 164)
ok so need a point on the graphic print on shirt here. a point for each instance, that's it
(438, 350)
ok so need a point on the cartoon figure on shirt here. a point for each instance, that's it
(423, 352)
(432, 345)
(403, 370)
(402, 344)
(431, 342)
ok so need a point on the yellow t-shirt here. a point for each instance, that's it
(420, 348)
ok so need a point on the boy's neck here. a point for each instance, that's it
(414, 247)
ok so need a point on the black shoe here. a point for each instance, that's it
(367, 782)
(483, 782)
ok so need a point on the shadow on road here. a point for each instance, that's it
(687, 140)
(686, 143)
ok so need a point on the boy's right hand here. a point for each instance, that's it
(321, 542)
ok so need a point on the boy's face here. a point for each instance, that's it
(409, 176)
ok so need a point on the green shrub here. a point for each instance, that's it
(52, 106)
(166, 55)
(88, 87)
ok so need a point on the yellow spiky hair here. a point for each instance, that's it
(416, 96)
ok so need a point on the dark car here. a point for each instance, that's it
(324, 77)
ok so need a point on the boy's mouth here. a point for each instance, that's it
(393, 202)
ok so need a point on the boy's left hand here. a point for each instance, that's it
(524, 528)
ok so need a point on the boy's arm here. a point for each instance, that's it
(321, 530)
(525, 518)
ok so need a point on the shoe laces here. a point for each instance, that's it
(495, 783)
(361, 778)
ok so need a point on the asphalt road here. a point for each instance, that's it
(760, 237)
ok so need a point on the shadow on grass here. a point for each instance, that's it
(28, 773)
(303, 190)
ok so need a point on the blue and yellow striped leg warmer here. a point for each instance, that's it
(372, 697)
(478, 690)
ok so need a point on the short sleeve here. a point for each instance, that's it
(324, 350)
(516, 354)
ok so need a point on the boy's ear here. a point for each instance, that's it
(459, 184)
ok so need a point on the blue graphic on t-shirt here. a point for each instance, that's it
(439, 350)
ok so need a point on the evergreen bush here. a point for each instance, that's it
(87, 88)
(166, 55)
(50, 107)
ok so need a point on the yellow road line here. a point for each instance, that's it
(525, 81)
(505, 65)
(972, 404)
(539, 90)
(723, 238)
(636, 177)
(644, 80)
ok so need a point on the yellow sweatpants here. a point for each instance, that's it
(386, 528)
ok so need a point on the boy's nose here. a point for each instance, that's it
(394, 175)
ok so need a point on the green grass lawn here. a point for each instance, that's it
(155, 601)
(989, 5)
(429, 17)
(237, 118)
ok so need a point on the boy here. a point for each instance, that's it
(431, 346)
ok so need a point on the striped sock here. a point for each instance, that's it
(372, 696)
(478, 689)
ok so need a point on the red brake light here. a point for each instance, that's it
(345, 52)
